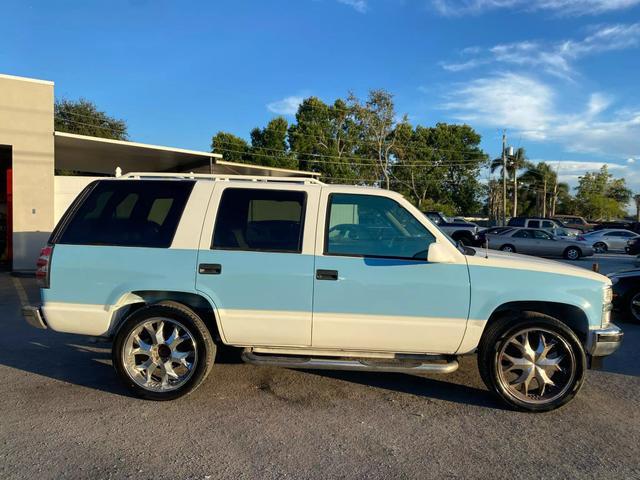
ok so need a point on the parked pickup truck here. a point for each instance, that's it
(305, 275)
(466, 233)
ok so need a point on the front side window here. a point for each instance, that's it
(374, 226)
(129, 213)
(540, 235)
(260, 220)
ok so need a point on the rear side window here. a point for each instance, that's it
(534, 224)
(516, 222)
(260, 220)
(128, 213)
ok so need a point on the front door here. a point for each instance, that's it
(257, 269)
(375, 290)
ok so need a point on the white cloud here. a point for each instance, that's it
(631, 160)
(358, 5)
(286, 106)
(555, 58)
(565, 7)
(529, 108)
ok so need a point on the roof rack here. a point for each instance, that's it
(224, 178)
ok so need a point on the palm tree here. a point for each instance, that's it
(541, 178)
(636, 197)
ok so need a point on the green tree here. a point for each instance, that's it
(232, 147)
(514, 163)
(324, 139)
(269, 145)
(83, 118)
(439, 164)
(539, 181)
(601, 197)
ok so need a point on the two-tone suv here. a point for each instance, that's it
(306, 275)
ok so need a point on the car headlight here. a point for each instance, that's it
(607, 294)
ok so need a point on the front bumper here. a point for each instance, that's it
(33, 316)
(604, 341)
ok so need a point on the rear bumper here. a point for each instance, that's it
(33, 316)
(604, 341)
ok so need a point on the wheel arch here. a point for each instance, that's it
(134, 300)
(572, 316)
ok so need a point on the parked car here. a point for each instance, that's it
(626, 293)
(619, 225)
(552, 226)
(574, 221)
(533, 241)
(609, 239)
(482, 234)
(301, 274)
(633, 246)
(461, 231)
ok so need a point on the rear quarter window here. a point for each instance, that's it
(130, 213)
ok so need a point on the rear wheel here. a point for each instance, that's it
(633, 307)
(163, 352)
(508, 248)
(600, 247)
(572, 253)
(533, 363)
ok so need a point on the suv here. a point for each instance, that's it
(461, 231)
(574, 221)
(301, 274)
(552, 226)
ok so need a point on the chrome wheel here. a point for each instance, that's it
(507, 248)
(536, 366)
(160, 354)
(573, 254)
(635, 306)
(600, 247)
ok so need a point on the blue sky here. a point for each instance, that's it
(560, 75)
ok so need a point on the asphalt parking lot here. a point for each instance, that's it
(64, 414)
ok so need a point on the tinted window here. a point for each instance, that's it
(516, 222)
(131, 213)
(373, 226)
(254, 219)
(548, 224)
(540, 235)
(534, 224)
(522, 234)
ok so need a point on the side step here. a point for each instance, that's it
(401, 365)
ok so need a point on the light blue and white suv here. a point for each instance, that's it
(302, 274)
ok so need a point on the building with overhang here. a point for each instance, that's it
(33, 197)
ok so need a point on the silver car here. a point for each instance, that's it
(609, 239)
(534, 241)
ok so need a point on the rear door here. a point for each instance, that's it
(256, 263)
(524, 242)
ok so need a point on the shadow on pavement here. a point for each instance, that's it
(425, 387)
(626, 361)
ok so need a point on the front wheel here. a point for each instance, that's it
(163, 352)
(534, 363)
(633, 307)
(572, 253)
(508, 248)
(600, 247)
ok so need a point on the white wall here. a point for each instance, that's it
(65, 190)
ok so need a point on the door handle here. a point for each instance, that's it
(326, 274)
(210, 268)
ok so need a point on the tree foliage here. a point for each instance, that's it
(599, 196)
(83, 118)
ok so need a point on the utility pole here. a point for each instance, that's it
(504, 177)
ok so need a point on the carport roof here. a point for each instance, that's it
(102, 156)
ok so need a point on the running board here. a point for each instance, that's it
(409, 365)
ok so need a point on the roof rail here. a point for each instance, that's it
(224, 178)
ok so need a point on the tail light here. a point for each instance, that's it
(43, 266)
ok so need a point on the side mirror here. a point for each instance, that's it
(438, 253)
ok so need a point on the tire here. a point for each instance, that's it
(565, 366)
(633, 306)
(572, 253)
(180, 354)
(508, 248)
(600, 247)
